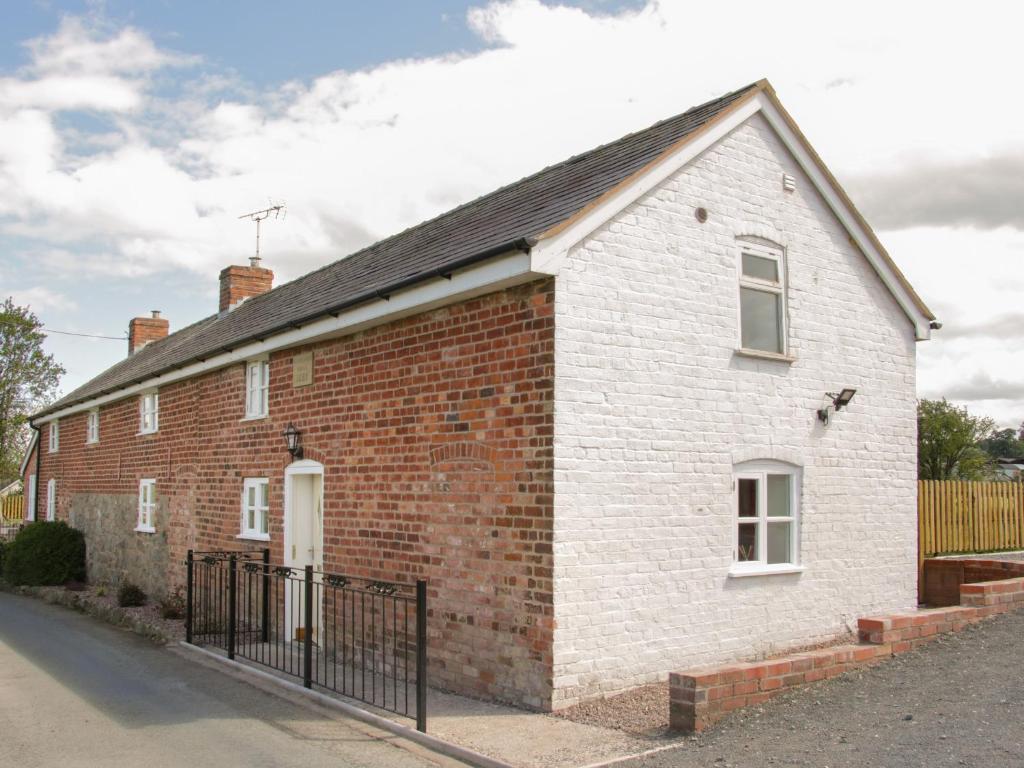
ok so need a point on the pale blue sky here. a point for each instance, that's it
(132, 135)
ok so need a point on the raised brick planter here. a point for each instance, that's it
(699, 697)
(944, 576)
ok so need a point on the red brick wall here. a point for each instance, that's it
(436, 436)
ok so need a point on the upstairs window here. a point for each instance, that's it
(92, 426)
(256, 508)
(767, 505)
(762, 299)
(147, 506)
(257, 384)
(149, 413)
(54, 433)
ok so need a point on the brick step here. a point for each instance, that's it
(699, 697)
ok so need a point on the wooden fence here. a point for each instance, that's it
(12, 507)
(955, 517)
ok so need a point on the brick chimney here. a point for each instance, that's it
(142, 330)
(240, 283)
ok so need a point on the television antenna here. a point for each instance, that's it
(277, 211)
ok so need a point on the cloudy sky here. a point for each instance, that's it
(131, 140)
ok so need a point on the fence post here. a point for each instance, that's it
(421, 656)
(265, 634)
(189, 594)
(232, 603)
(307, 635)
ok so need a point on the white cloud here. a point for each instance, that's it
(42, 299)
(361, 154)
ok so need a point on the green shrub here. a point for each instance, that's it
(130, 595)
(3, 544)
(173, 606)
(45, 553)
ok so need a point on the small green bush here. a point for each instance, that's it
(3, 545)
(130, 595)
(44, 554)
(173, 606)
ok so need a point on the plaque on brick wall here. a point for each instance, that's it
(302, 369)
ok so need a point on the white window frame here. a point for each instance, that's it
(776, 288)
(31, 516)
(257, 388)
(54, 434)
(92, 426)
(51, 499)
(149, 412)
(147, 506)
(261, 512)
(760, 470)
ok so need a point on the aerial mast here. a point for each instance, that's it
(277, 211)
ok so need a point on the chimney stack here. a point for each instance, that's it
(240, 283)
(142, 330)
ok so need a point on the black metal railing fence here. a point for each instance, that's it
(360, 638)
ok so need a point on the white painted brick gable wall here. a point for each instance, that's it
(653, 408)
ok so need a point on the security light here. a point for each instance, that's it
(839, 401)
(843, 399)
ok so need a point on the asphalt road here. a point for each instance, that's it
(74, 692)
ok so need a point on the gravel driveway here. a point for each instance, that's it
(958, 701)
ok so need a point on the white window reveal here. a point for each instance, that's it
(767, 499)
(147, 506)
(54, 433)
(256, 508)
(31, 512)
(149, 412)
(51, 499)
(762, 299)
(92, 426)
(257, 384)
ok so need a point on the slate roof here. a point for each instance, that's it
(508, 218)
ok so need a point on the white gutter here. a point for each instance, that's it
(477, 280)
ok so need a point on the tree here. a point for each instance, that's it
(28, 381)
(947, 442)
(1004, 443)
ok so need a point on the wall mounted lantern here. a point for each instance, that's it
(293, 438)
(839, 401)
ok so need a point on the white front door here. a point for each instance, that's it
(303, 540)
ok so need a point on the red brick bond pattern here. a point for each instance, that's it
(435, 432)
(699, 697)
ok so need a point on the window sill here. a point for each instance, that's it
(739, 571)
(145, 529)
(254, 418)
(140, 433)
(761, 355)
(254, 536)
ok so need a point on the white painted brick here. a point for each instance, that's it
(652, 409)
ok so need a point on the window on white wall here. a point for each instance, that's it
(257, 383)
(767, 499)
(149, 412)
(92, 426)
(51, 499)
(147, 506)
(256, 508)
(54, 433)
(762, 299)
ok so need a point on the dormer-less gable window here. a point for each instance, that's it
(257, 386)
(54, 433)
(149, 412)
(762, 298)
(92, 426)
